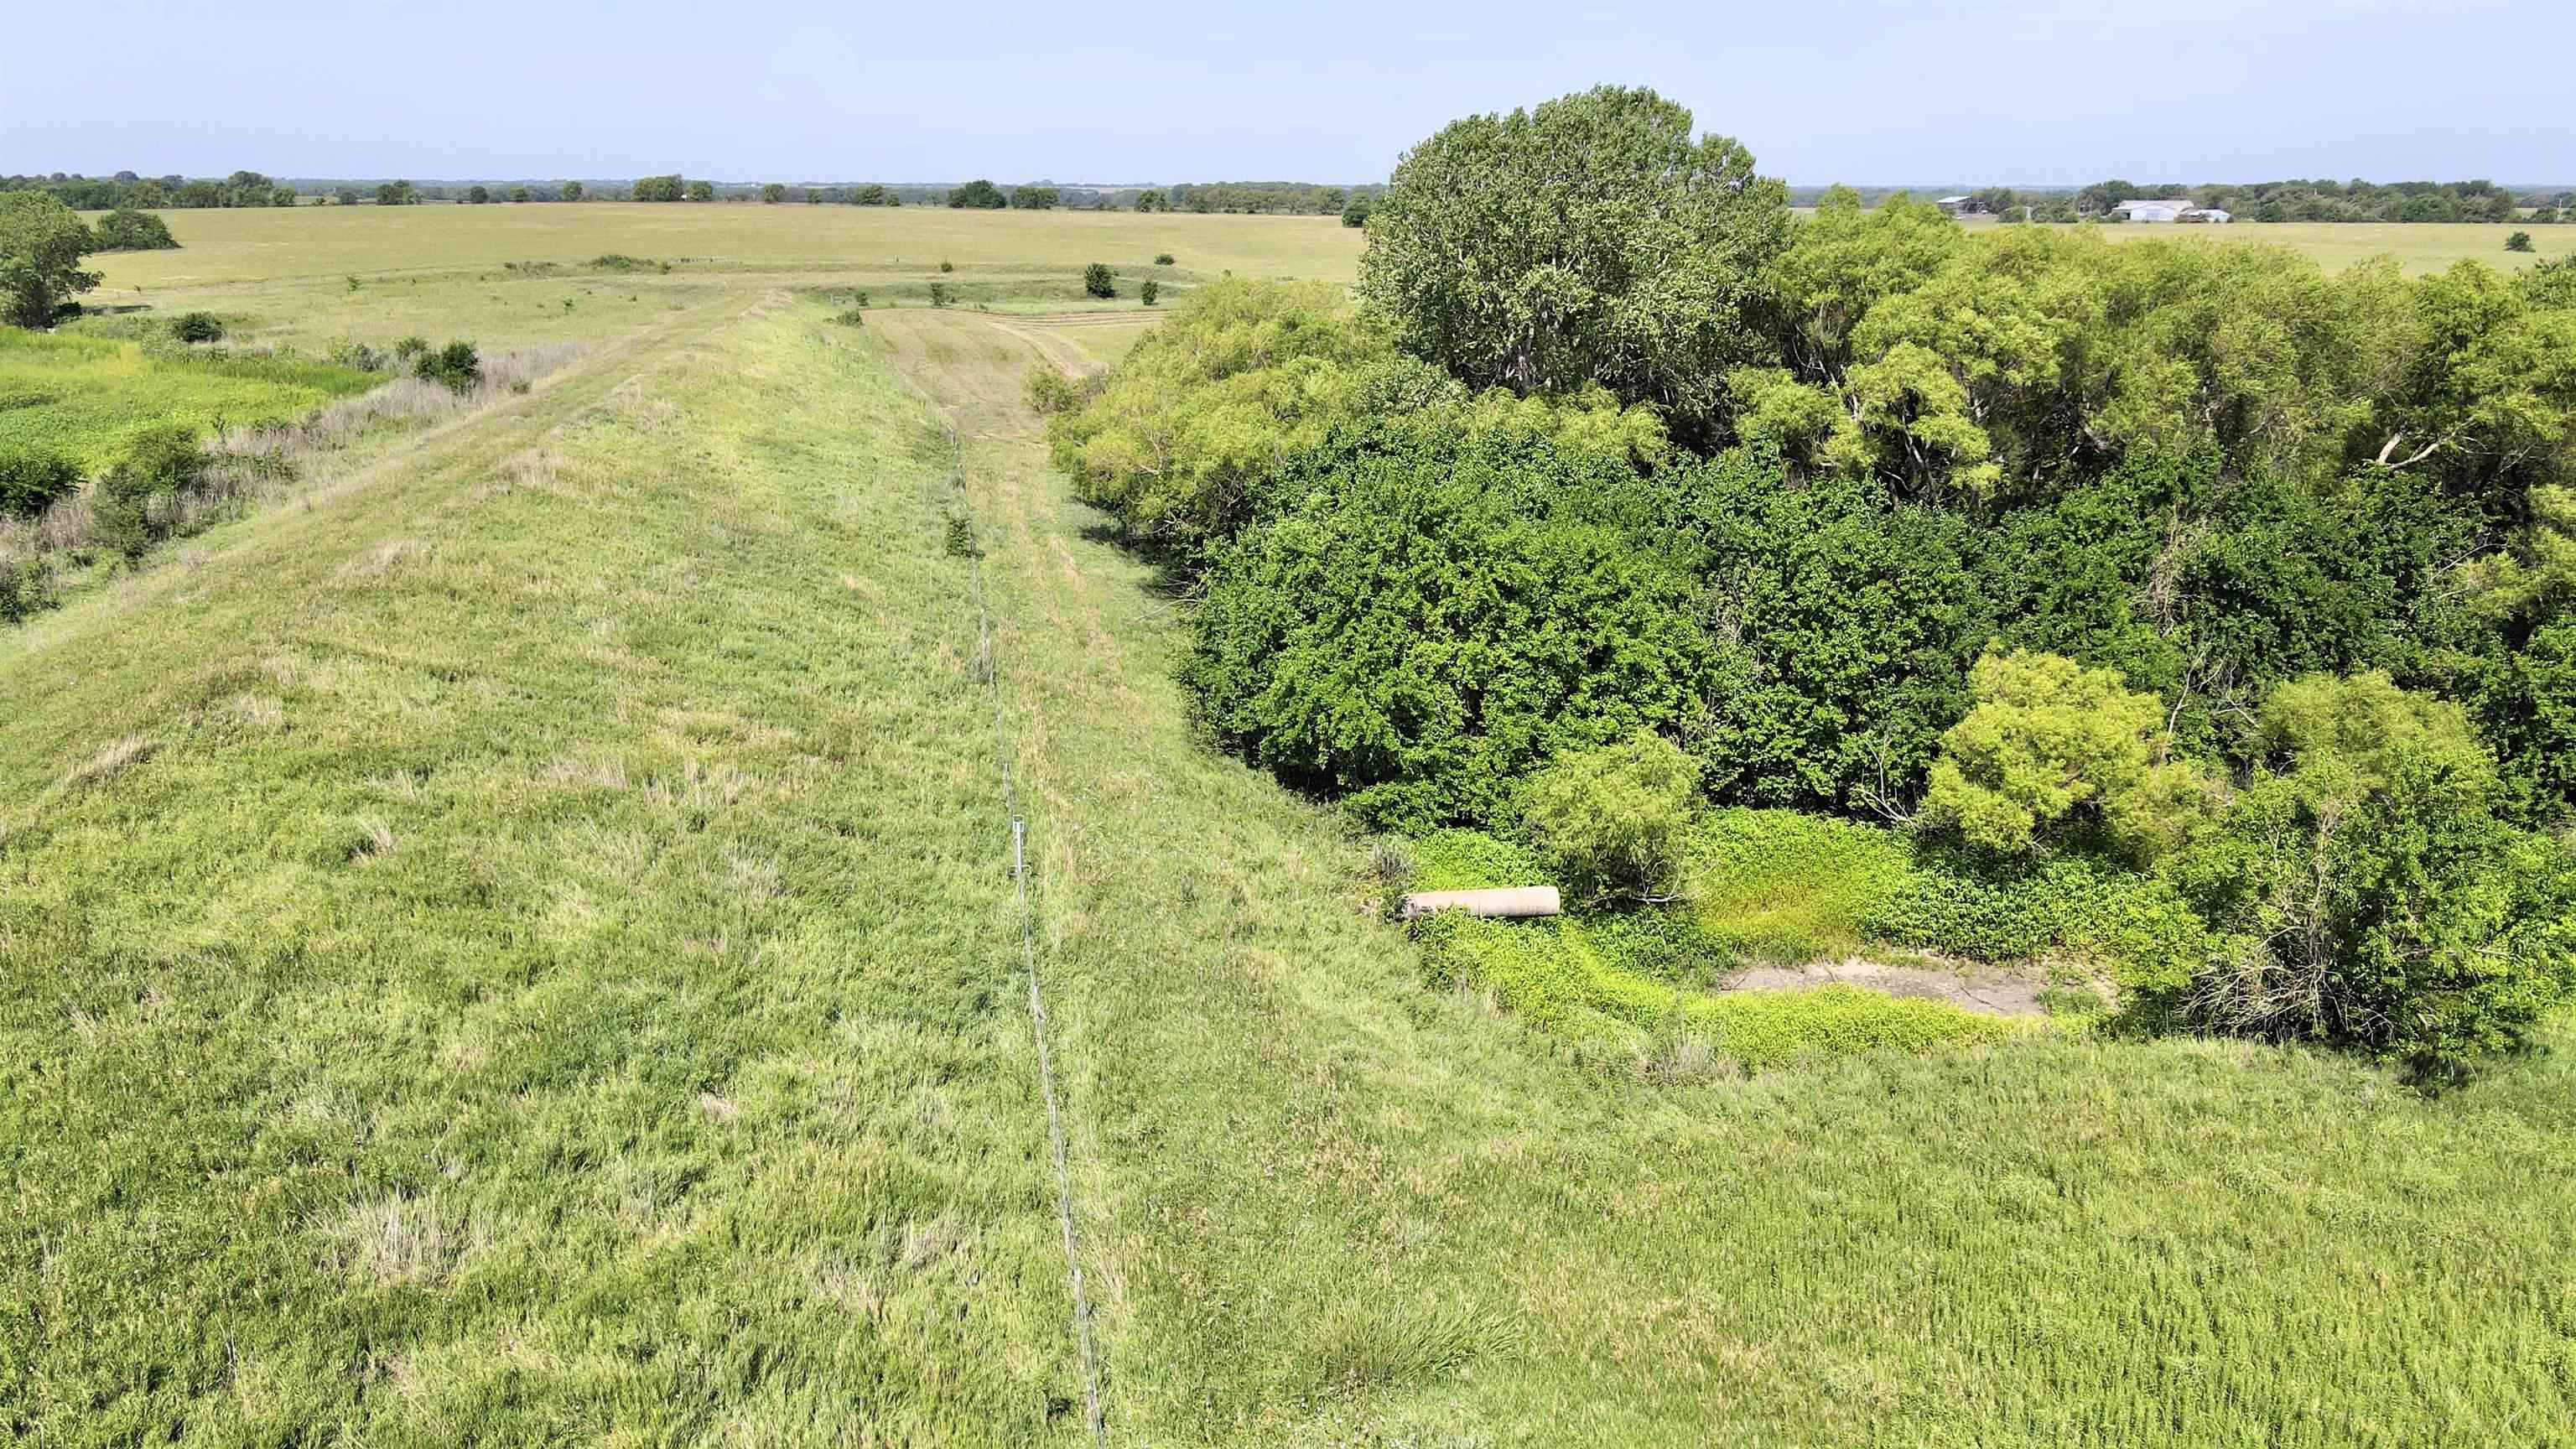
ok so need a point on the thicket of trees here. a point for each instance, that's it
(978, 195)
(2193, 562)
(125, 190)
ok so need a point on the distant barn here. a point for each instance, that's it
(2169, 208)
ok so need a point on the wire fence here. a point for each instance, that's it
(989, 665)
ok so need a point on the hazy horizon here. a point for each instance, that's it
(2031, 93)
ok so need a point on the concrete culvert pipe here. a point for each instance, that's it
(1514, 901)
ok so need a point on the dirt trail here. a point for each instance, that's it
(1987, 991)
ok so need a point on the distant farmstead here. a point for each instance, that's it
(2169, 208)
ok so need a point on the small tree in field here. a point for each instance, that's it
(2518, 242)
(41, 245)
(518, 193)
(1615, 820)
(1148, 292)
(478, 196)
(772, 194)
(1099, 281)
(572, 191)
(702, 191)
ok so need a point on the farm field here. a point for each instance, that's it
(516, 952)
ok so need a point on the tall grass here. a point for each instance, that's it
(267, 464)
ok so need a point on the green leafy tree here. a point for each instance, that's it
(41, 246)
(1034, 198)
(2050, 744)
(1099, 281)
(396, 193)
(702, 191)
(1355, 213)
(2519, 242)
(1149, 291)
(284, 196)
(671, 187)
(132, 231)
(1615, 820)
(1589, 240)
(1153, 199)
(456, 367)
(977, 195)
(773, 193)
(572, 191)
(519, 194)
(478, 196)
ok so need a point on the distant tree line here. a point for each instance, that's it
(125, 190)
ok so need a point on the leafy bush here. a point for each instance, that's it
(409, 348)
(2519, 242)
(1162, 259)
(356, 356)
(1050, 392)
(33, 477)
(1615, 819)
(456, 367)
(2048, 738)
(938, 294)
(979, 194)
(1244, 372)
(2390, 911)
(1149, 291)
(1099, 281)
(22, 589)
(157, 462)
(1426, 615)
(947, 266)
(126, 230)
(197, 327)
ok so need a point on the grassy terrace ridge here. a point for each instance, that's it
(517, 953)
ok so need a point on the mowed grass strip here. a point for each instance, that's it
(1329, 1205)
(518, 952)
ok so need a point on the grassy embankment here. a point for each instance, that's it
(517, 951)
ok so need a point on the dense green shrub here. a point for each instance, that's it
(197, 327)
(1846, 626)
(1243, 373)
(1615, 819)
(659, 188)
(1149, 291)
(126, 230)
(157, 462)
(1162, 259)
(1426, 615)
(2519, 242)
(456, 367)
(979, 194)
(2049, 743)
(2387, 909)
(1099, 281)
(33, 477)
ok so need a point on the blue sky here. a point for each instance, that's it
(2034, 91)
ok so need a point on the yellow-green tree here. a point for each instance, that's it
(2051, 745)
